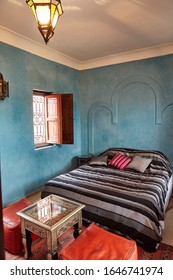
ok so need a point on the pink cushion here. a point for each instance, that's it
(120, 161)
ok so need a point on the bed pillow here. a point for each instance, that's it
(99, 160)
(139, 163)
(120, 161)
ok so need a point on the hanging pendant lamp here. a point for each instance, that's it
(46, 13)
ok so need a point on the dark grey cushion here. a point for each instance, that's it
(99, 160)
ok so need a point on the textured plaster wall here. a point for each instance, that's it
(128, 105)
(24, 169)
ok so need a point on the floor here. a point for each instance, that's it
(168, 231)
(34, 197)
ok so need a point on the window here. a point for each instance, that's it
(52, 118)
(39, 119)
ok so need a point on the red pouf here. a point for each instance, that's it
(96, 243)
(12, 227)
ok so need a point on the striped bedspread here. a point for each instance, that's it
(126, 202)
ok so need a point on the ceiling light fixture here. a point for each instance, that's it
(46, 13)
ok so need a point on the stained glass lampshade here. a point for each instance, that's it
(46, 13)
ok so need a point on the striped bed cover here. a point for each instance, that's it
(126, 202)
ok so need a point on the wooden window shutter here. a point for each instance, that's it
(53, 119)
(59, 118)
(67, 118)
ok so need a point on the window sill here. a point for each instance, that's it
(46, 146)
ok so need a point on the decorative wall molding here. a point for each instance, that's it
(91, 126)
(135, 55)
(161, 104)
(9, 37)
(149, 82)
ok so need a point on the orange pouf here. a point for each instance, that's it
(96, 243)
(12, 227)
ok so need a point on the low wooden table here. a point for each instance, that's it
(49, 218)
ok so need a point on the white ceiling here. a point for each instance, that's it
(94, 29)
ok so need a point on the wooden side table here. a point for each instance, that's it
(83, 159)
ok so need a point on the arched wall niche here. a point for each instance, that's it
(160, 104)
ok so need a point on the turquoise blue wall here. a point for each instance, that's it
(24, 169)
(124, 105)
(128, 105)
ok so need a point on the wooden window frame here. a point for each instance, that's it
(58, 118)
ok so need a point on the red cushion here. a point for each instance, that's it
(12, 228)
(120, 161)
(95, 243)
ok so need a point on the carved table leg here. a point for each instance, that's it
(52, 245)
(26, 240)
(52, 255)
(78, 226)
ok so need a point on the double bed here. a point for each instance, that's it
(124, 190)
